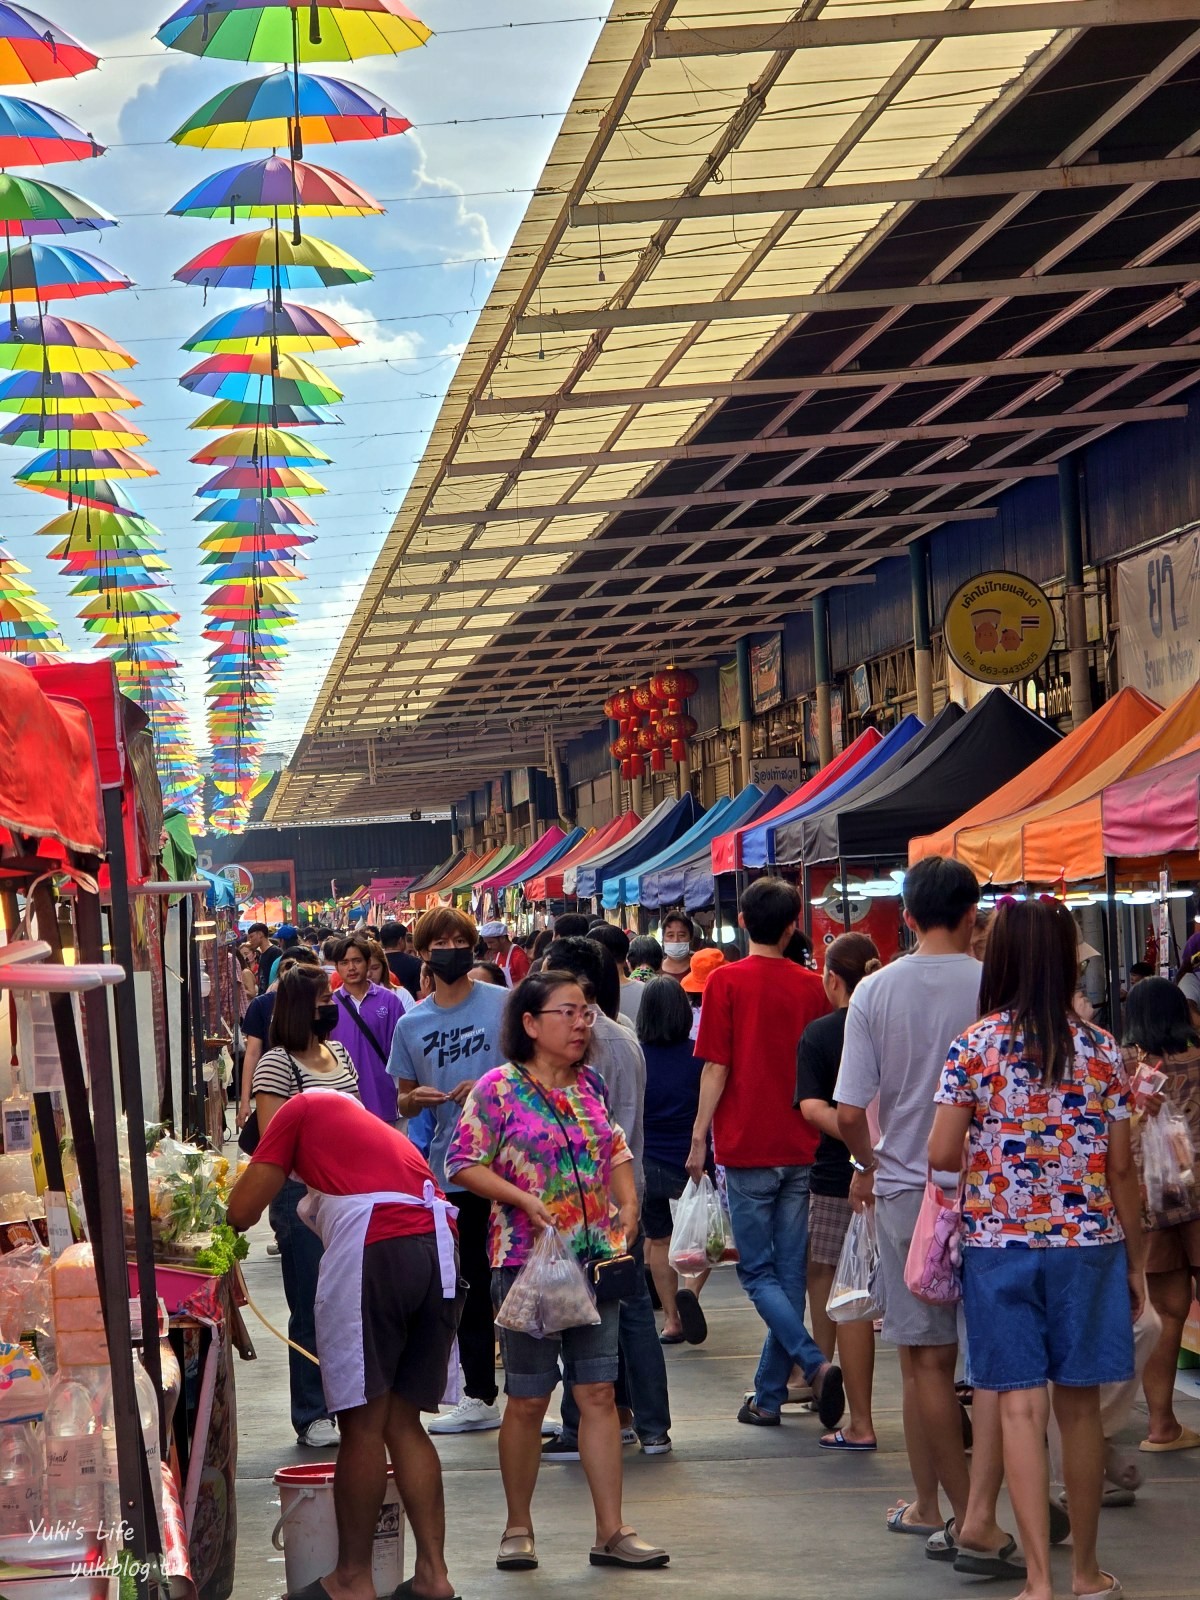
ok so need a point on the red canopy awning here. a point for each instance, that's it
(49, 773)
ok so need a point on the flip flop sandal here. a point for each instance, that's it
(750, 1413)
(405, 1591)
(671, 1338)
(1060, 1520)
(1113, 1592)
(897, 1524)
(1002, 1563)
(517, 1553)
(315, 1590)
(831, 1401)
(691, 1316)
(1187, 1440)
(838, 1441)
(625, 1549)
(942, 1545)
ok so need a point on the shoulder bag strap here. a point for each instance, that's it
(562, 1128)
(295, 1072)
(349, 1007)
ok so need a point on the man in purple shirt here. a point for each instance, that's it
(367, 1018)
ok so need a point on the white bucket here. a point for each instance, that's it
(307, 1529)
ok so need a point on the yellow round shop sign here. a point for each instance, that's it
(999, 627)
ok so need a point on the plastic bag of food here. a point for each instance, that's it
(550, 1293)
(1168, 1160)
(854, 1296)
(701, 1236)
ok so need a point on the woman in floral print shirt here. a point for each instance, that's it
(520, 1128)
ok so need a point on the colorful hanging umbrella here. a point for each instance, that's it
(240, 414)
(31, 207)
(256, 512)
(293, 30)
(242, 537)
(119, 580)
(270, 259)
(63, 393)
(97, 493)
(55, 465)
(248, 567)
(110, 432)
(259, 377)
(271, 445)
(265, 188)
(57, 344)
(34, 136)
(260, 113)
(103, 530)
(32, 50)
(266, 324)
(39, 271)
(267, 481)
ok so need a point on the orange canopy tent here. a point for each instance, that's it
(467, 872)
(1060, 840)
(1067, 763)
(429, 895)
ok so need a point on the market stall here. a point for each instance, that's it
(463, 865)
(551, 885)
(689, 880)
(434, 875)
(628, 887)
(467, 892)
(665, 824)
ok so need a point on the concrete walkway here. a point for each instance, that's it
(747, 1514)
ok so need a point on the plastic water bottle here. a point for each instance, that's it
(21, 1507)
(73, 1446)
(148, 1418)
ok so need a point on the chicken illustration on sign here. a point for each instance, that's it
(999, 627)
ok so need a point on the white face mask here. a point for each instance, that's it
(677, 950)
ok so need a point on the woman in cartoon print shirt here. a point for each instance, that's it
(1052, 1199)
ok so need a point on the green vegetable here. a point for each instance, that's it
(227, 1247)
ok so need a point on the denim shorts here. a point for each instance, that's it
(1058, 1314)
(663, 1184)
(589, 1355)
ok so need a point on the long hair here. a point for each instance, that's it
(1157, 1019)
(376, 952)
(665, 1014)
(852, 957)
(1031, 970)
(295, 1006)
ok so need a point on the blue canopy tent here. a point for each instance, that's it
(630, 888)
(662, 827)
(758, 845)
(511, 893)
(689, 881)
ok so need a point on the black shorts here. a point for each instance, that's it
(663, 1184)
(408, 1328)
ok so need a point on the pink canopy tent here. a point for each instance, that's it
(549, 885)
(528, 859)
(1157, 812)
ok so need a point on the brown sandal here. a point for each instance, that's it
(625, 1549)
(517, 1553)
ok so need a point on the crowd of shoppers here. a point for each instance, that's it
(579, 1082)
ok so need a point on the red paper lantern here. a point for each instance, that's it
(621, 748)
(610, 709)
(657, 759)
(622, 704)
(643, 700)
(673, 685)
(646, 740)
(636, 766)
(627, 768)
(678, 726)
(678, 750)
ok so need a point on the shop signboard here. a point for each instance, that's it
(999, 627)
(496, 808)
(1158, 607)
(727, 694)
(786, 771)
(766, 673)
(520, 786)
(860, 682)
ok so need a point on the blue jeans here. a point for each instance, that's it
(643, 1369)
(300, 1257)
(768, 1207)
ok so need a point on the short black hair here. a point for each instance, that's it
(798, 949)
(645, 951)
(587, 959)
(615, 940)
(571, 925)
(295, 1004)
(258, 927)
(391, 935)
(491, 973)
(939, 891)
(770, 906)
(678, 914)
(527, 999)
(1157, 1019)
(356, 941)
(298, 956)
(1141, 969)
(665, 1015)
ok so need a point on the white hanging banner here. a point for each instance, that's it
(1158, 606)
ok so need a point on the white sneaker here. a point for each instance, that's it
(468, 1416)
(320, 1435)
(629, 1436)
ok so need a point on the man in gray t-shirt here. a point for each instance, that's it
(900, 1025)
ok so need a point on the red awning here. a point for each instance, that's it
(49, 774)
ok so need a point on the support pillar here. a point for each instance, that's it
(745, 713)
(918, 568)
(683, 776)
(507, 802)
(1070, 519)
(614, 770)
(455, 830)
(820, 616)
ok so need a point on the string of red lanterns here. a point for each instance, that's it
(651, 721)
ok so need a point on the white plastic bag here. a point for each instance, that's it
(701, 1236)
(1168, 1160)
(549, 1294)
(854, 1295)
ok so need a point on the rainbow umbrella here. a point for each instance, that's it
(114, 579)
(142, 606)
(271, 260)
(131, 560)
(268, 325)
(63, 393)
(242, 537)
(38, 271)
(30, 206)
(98, 493)
(55, 464)
(260, 444)
(282, 380)
(248, 567)
(56, 344)
(81, 432)
(332, 30)
(258, 512)
(283, 110)
(102, 530)
(267, 187)
(32, 50)
(34, 136)
(240, 414)
(289, 482)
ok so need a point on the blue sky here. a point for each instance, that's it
(486, 102)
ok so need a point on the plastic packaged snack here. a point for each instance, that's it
(1168, 1160)
(549, 1294)
(854, 1295)
(701, 1235)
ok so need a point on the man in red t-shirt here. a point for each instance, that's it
(388, 1302)
(750, 1025)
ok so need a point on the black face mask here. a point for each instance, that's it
(326, 1020)
(450, 965)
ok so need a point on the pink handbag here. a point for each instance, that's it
(933, 1271)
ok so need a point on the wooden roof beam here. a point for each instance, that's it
(681, 569)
